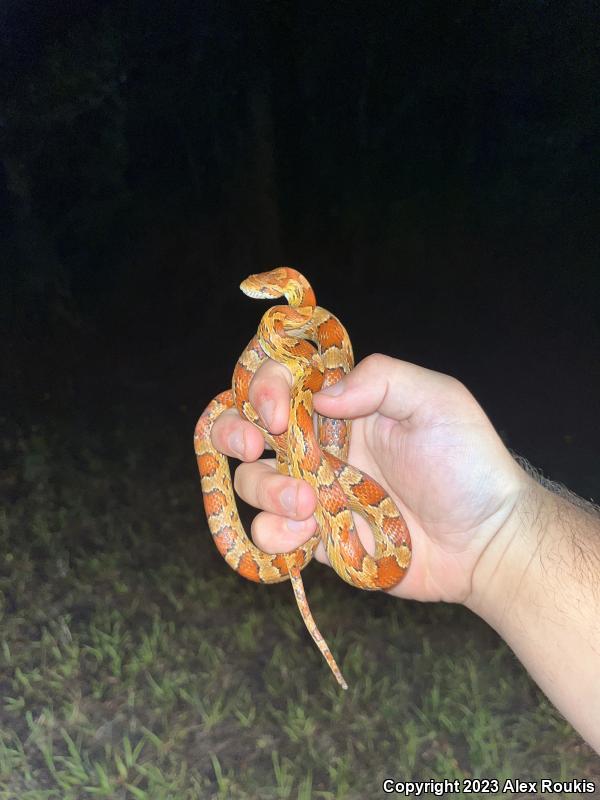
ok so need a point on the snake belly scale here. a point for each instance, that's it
(286, 333)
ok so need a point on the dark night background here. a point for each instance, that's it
(431, 167)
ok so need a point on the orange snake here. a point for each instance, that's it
(284, 334)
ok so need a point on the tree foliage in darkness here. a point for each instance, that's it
(153, 149)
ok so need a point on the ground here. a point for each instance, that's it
(135, 664)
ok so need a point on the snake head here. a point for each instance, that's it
(280, 282)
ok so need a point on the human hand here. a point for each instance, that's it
(421, 435)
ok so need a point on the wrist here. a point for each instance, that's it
(510, 554)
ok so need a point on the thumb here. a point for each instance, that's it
(380, 383)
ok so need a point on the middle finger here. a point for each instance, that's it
(261, 486)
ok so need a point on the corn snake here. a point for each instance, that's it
(285, 334)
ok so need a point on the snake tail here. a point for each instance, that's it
(311, 625)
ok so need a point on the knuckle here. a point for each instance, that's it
(263, 495)
(259, 530)
(238, 480)
(271, 377)
(222, 428)
(456, 386)
(255, 530)
(306, 497)
(266, 492)
(218, 439)
(273, 370)
(376, 362)
(246, 479)
(260, 389)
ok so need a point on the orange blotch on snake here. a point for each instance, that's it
(214, 502)
(312, 453)
(313, 381)
(241, 380)
(208, 464)
(224, 539)
(249, 568)
(333, 375)
(368, 492)
(354, 552)
(332, 498)
(389, 573)
(280, 561)
(303, 348)
(332, 432)
(394, 528)
(330, 334)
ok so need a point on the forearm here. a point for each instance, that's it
(538, 585)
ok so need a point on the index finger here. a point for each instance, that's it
(270, 395)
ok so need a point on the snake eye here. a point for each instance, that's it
(251, 290)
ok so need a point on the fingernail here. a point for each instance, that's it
(266, 409)
(289, 498)
(335, 390)
(236, 443)
(296, 525)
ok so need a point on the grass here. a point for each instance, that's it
(135, 665)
